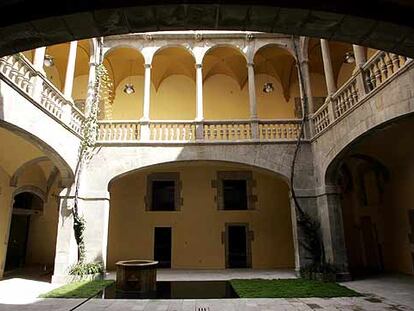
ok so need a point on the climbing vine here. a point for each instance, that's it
(101, 92)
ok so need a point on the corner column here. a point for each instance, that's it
(70, 70)
(360, 55)
(330, 215)
(38, 59)
(327, 65)
(252, 101)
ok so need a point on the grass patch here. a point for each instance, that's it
(290, 288)
(82, 289)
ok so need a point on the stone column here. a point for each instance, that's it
(330, 215)
(6, 210)
(38, 60)
(145, 130)
(307, 85)
(327, 65)
(90, 96)
(147, 92)
(252, 101)
(95, 208)
(199, 100)
(39, 57)
(360, 55)
(70, 70)
(66, 247)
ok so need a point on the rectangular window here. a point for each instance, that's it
(235, 190)
(234, 194)
(163, 193)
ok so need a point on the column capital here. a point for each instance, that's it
(198, 66)
(250, 65)
(147, 66)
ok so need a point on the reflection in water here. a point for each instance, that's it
(178, 290)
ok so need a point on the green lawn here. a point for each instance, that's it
(82, 289)
(290, 288)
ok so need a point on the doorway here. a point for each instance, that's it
(16, 249)
(238, 254)
(162, 246)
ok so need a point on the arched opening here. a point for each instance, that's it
(343, 66)
(26, 207)
(277, 87)
(225, 87)
(30, 184)
(125, 67)
(376, 200)
(56, 69)
(201, 215)
(173, 92)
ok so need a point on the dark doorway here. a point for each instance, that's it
(16, 249)
(238, 250)
(371, 246)
(162, 246)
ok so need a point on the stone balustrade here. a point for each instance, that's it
(227, 130)
(279, 130)
(21, 73)
(381, 68)
(172, 131)
(186, 131)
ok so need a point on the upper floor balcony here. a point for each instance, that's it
(203, 87)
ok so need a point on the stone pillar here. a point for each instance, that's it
(327, 65)
(199, 90)
(6, 210)
(66, 247)
(39, 57)
(70, 70)
(307, 85)
(252, 91)
(330, 216)
(145, 130)
(252, 101)
(147, 92)
(360, 55)
(95, 208)
(91, 96)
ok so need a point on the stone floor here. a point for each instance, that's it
(387, 292)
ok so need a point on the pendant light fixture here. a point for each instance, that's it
(129, 87)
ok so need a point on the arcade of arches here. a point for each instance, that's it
(204, 213)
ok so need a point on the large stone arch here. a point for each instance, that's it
(383, 25)
(120, 160)
(375, 111)
(67, 172)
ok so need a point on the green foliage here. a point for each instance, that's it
(82, 289)
(289, 288)
(82, 268)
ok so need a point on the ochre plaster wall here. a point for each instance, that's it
(197, 228)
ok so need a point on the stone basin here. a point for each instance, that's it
(136, 276)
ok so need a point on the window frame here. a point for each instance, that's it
(235, 175)
(163, 176)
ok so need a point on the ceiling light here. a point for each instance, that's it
(349, 58)
(49, 61)
(268, 87)
(129, 89)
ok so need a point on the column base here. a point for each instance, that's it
(343, 277)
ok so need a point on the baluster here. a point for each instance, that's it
(383, 67)
(377, 72)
